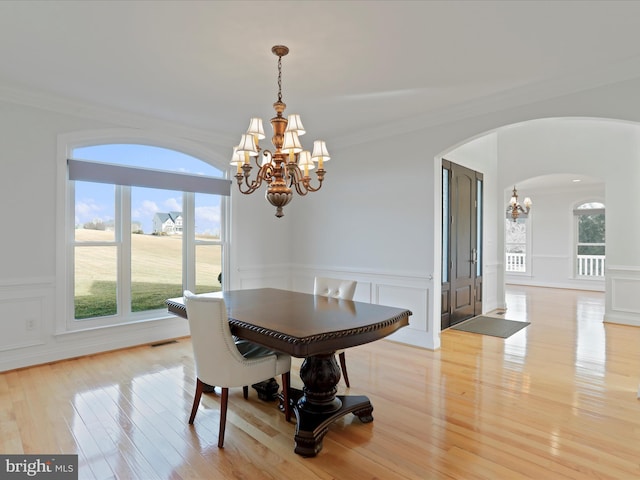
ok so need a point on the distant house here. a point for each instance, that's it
(167, 223)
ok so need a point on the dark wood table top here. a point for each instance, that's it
(302, 324)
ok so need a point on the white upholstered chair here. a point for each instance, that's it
(219, 362)
(336, 288)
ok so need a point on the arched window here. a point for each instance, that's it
(144, 223)
(590, 239)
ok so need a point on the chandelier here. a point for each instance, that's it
(514, 209)
(288, 166)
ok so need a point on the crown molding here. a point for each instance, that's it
(58, 104)
(508, 99)
(505, 100)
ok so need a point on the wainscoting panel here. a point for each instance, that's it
(624, 295)
(23, 318)
(415, 299)
(489, 293)
(623, 300)
(28, 335)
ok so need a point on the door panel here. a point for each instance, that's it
(462, 283)
(463, 241)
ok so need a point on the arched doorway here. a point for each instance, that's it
(547, 148)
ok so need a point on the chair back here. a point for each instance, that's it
(334, 288)
(217, 359)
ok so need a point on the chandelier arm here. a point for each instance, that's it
(292, 174)
(320, 174)
(298, 181)
(264, 174)
(309, 188)
(266, 153)
(250, 187)
(303, 184)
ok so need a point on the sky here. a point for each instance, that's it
(95, 201)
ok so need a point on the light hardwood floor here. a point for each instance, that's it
(556, 400)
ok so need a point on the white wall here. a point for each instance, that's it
(377, 219)
(259, 250)
(552, 226)
(367, 223)
(384, 169)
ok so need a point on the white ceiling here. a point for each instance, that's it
(557, 181)
(353, 66)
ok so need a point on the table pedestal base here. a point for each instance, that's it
(317, 406)
(267, 390)
(312, 427)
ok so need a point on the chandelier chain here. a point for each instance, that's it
(279, 78)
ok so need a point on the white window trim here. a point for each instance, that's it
(65, 323)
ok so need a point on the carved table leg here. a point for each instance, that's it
(320, 375)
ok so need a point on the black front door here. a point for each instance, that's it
(461, 244)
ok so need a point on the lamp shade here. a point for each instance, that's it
(320, 151)
(247, 145)
(527, 202)
(294, 124)
(291, 142)
(255, 128)
(236, 158)
(305, 160)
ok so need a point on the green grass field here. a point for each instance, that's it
(156, 272)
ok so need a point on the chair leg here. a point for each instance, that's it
(286, 385)
(224, 400)
(245, 392)
(343, 366)
(196, 400)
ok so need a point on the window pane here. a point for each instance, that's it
(94, 212)
(208, 216)
(591, 250)
(515, 246)
(586, 206)
(479, 228)
(445, 225)
(590, 247)
(208, 270)
(208, 262)
(591, 228)
(156, 253)
(95, 281)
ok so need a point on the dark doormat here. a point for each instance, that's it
(496, 327)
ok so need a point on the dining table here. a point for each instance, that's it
(312, 327)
